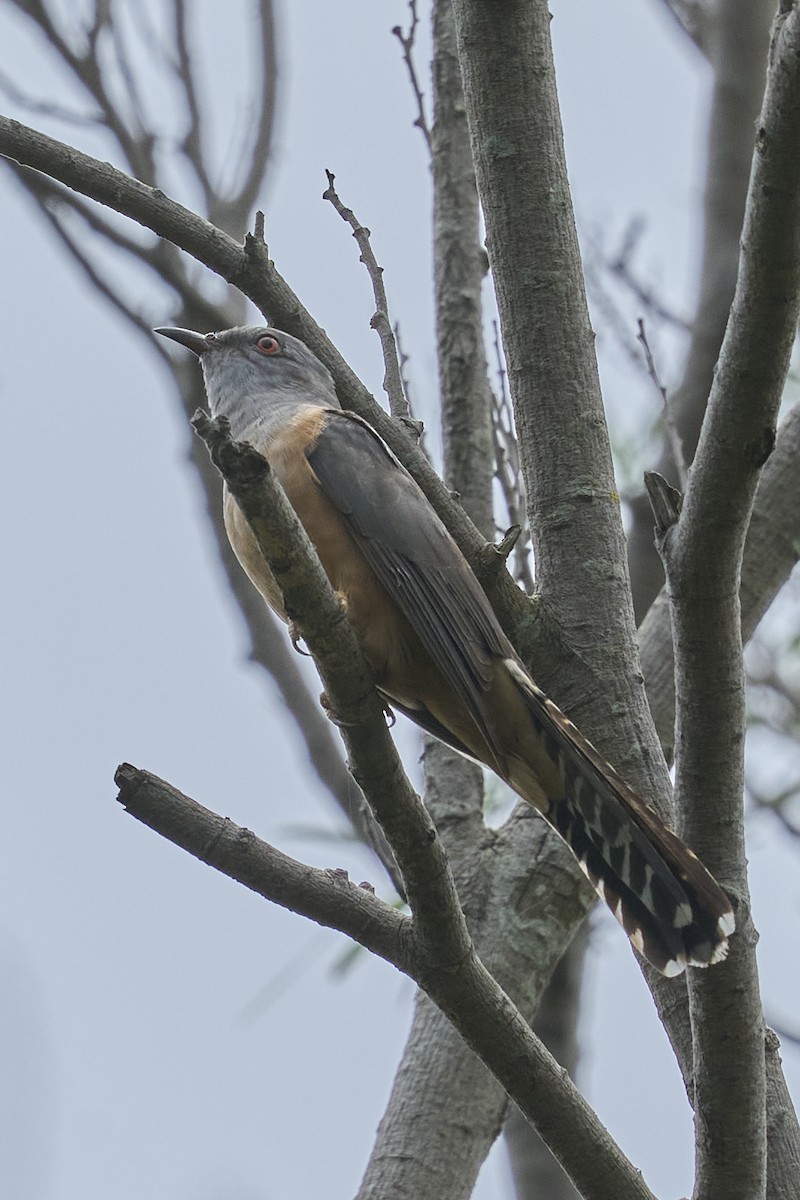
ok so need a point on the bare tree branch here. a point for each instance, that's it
(771, 551)
(92, 273)
(471, 438)
(702, 556)
(249, 269)
(521, 905)
(47, 108)
(673, 439)
(241, 856)
(426, 1147)
(192, 144)
(621, 266)
(735, 39)
(325, 896)
(508, 471)
(59, 205)
(445, 964)
(573, 503)
(380, 322)
(406, 41)
(268, 646)
(536, 1173)
(500, 35)
(459, 265)
(435, 953)
(256, 157)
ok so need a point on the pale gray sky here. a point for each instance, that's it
(126, 964)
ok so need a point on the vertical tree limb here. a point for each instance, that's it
(518, 151)
(703, 555)
(735, 38)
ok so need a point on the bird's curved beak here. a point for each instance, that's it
(196, 342)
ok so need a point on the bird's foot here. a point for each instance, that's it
(327, 708)
(331, 715)
(296, 637)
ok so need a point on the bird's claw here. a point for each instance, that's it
(296, 637)
(331, 715)
(388, 712)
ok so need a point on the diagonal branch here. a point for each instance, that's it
(474, 1002)
(88, 74)
(249, 269)
(321, 621)
(325, 896)
(444, 961)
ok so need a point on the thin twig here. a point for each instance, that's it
(159, 256)
(775, 805)
(184, 75)
(607, 312)
(128, 77)
(507, 470)
(110, 293)
(392, 380)
(263, 120)
(620, 266)
(670, 427)
(403, 360)
(407, 42)
(416, 428)
(47, 108)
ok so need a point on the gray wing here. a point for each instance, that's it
(415, 558)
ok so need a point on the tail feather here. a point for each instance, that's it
(671, 907)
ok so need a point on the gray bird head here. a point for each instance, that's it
(255, 375)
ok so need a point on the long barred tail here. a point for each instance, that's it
(672, 909)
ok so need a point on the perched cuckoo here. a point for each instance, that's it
(433, 642)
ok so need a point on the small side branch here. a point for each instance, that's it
(406, 41)
(508, 471)
(392, 380)
(665, 502)
(670, 427)
(325, 896)
(479, 1009)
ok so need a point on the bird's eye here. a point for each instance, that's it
(268, 345)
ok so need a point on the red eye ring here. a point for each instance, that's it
(267, 344)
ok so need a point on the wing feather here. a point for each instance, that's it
(414, 557)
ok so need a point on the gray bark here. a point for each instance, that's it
(735, 38)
